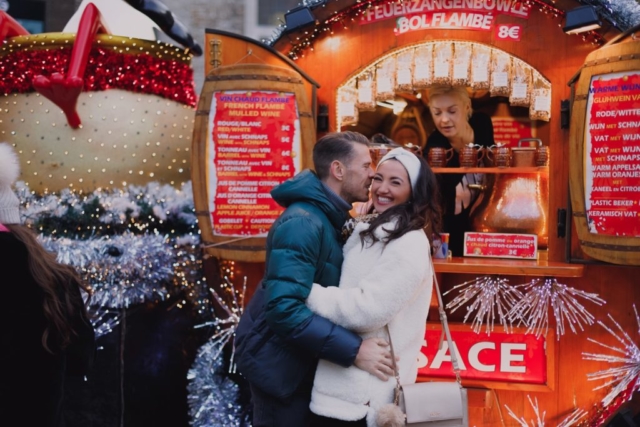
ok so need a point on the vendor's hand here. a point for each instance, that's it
(374, 357)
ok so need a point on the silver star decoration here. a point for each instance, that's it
(626, 373)
(571, 420)
(490, 298)
(225, 328)
(532, 309)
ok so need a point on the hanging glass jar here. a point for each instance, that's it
(366, 92)
(500, 72)
(461, 63)
(442, 61)
(480, 67)
(520, 84)
(404, 76)
(385, 79)
(347, 111)
(540, 108)
(422, 67)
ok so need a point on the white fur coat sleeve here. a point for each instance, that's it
(376, 282)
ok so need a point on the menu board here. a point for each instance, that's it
(253, 146)
(612, 155)
(509, 130)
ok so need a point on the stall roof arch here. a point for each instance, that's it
(348, 91)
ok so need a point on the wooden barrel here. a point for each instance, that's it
(605, 143)
(253, 129)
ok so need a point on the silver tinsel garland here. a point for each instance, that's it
(540, 295)
(153, 208)
(213, 397)
(121, 270)
(490, 298)
(624, 376)
(623, 14)
(130, 245)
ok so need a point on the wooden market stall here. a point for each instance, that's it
(339, 58)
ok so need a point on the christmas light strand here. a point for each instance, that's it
(490, 298)
(344, 18)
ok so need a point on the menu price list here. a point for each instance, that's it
(613, 155)
(255, 136)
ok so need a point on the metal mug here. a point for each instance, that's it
(542, 155)
(439, 157)
(378, 151)
(415, 149)
(499, 155)
(470, 155)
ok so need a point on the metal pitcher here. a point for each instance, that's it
(515, 203)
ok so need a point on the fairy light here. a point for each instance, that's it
(155, 80)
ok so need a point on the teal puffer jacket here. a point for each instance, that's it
(279, 339)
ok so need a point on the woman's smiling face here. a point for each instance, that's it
(391, 186)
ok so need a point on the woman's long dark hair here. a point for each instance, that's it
(422, 211)
(55, 280)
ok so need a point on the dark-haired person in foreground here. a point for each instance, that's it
(45, 334)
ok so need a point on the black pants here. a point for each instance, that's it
(320, 421)
(269, 411)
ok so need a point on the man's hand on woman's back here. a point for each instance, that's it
(374, 357)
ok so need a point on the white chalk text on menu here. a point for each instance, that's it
(612, 155)
(253, 146)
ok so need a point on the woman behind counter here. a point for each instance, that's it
(456, 126)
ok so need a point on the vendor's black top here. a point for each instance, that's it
(32, 380)
(457, 197)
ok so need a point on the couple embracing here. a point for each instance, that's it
(313, 341)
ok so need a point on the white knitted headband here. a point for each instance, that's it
(408, 160)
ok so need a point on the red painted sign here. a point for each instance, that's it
(499, 357)
(252, 147)
(612, 146)
(509, 32)
(433, 14)
(454, 20)
(501, 245)
(509, 130)
(414, 7)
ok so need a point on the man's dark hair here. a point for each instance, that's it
(335, 146)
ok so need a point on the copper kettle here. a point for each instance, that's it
(515, 203)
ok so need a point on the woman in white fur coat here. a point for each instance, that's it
(386, 280)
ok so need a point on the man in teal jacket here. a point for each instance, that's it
(279, 340)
